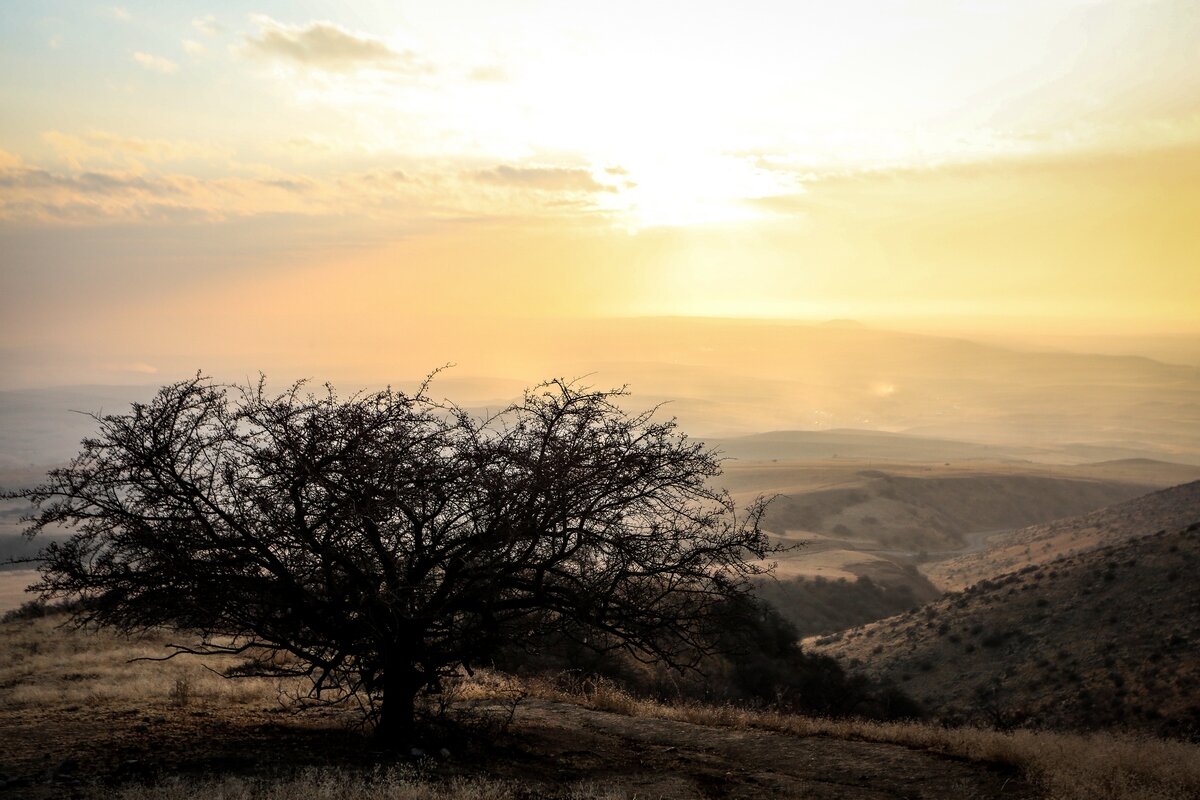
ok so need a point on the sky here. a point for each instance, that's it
(371, 189)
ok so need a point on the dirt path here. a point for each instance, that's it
(650, 758)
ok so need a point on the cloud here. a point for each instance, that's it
(193, 48)
(155, 63)
(34, 194)
(139, 368)
(492, 73)
(8, 160)
(550, 179)
(97, 147)
(381, 178)
(791, 204)
(324, 45)
(93, 183)
(104, 179)
(121, 13)
(289, 184)
(208, 25)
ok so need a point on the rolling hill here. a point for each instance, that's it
(1171, 508)
(936, 512)
(1105, 637)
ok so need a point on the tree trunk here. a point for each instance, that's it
(396, 724)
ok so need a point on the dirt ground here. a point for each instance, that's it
(549, 747)
(661, 758)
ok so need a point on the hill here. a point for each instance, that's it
(1171, 508)
(903, 508)
(1104, 639)
(937, 512)
(863, 527)
(722, 380)
(816, 605)
(859, 444)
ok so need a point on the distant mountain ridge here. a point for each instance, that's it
(954, 397)
(863, 444)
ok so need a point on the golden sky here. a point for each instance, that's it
(377, 187)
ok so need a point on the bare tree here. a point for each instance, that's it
(376, 542)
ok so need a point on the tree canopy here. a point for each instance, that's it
(375, 542)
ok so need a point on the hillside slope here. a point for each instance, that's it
(1171, 508)
(1109, 638)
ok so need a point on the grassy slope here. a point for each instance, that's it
(818, 606)
(1168, 509)
(1102, 639)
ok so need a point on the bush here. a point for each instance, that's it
(38, 608)
(759, 663)
(817, 606)
(30, 609)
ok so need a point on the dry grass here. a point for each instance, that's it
(1065, 766)
(49, 669)
(326, 784)
(43, 668)
(342, 784)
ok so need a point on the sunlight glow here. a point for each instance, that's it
(331, 167)
(692, 189)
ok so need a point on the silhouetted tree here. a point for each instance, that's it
(376, 542)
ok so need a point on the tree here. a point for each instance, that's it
(375, 543)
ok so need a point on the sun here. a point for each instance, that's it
(688, 189)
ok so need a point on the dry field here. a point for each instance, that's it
(12, 587)
(80, 721)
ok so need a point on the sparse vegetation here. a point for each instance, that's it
(68, 676)
(1063, 654)
(177, 729)
(818, 605)
(1064, 766)
(395, 783)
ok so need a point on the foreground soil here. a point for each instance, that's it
(549, 750)
(661, 758)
